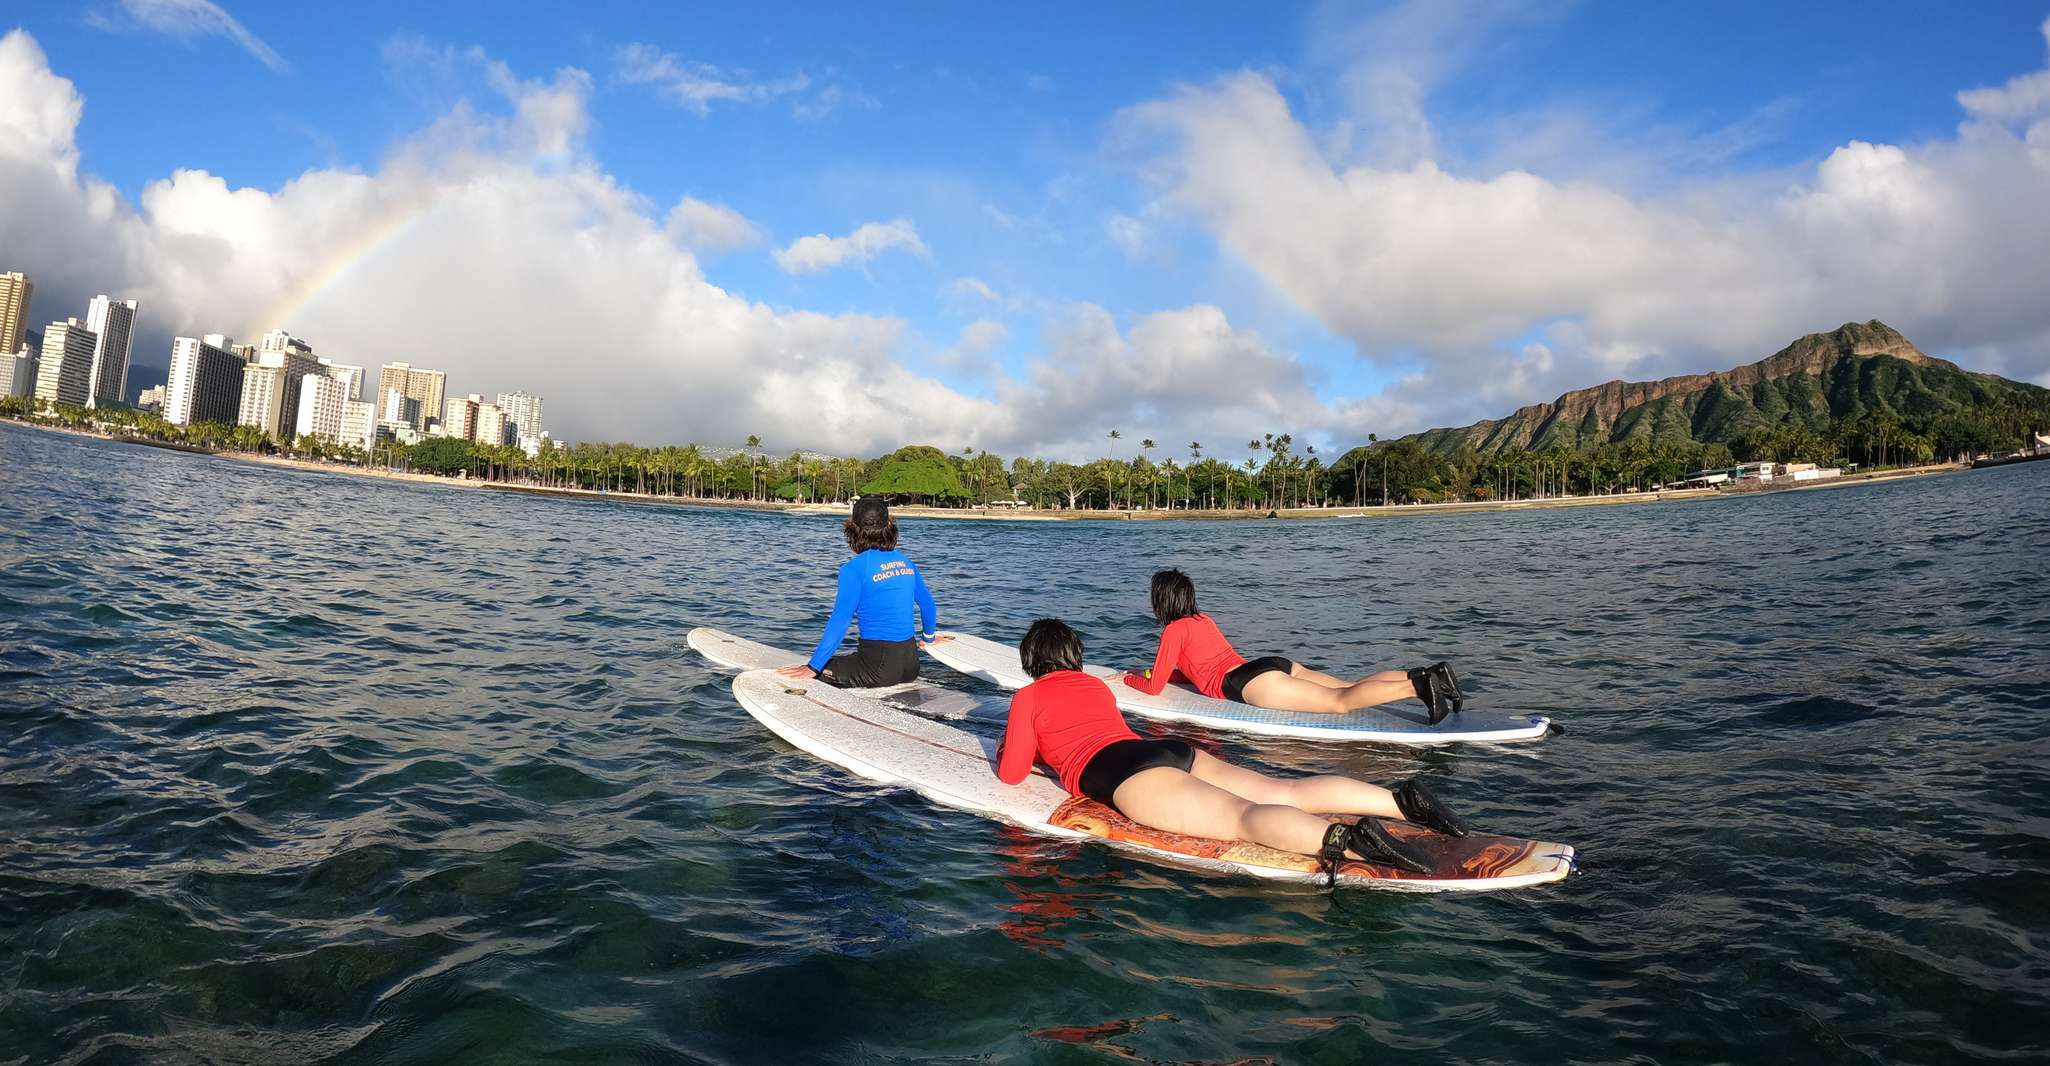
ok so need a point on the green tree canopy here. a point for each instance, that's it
(918, 471)
(442, 455)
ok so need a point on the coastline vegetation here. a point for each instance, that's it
(1266, 473)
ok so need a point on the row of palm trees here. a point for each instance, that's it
(1271, 475)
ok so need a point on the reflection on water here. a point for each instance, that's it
(300, 768)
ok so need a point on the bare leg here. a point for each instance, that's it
(1324, 794)
(1285, 692)
(1328, 681)
(1166, 798)
(1319, 677)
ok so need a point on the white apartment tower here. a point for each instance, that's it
(491, 425)
(359, 422)
(459, 417)
(15, 291)
(524, 411)
(351, 377)
(263, 400)
(320, 408)
(65, 373)
(114, 322)
(427, 386)
(205, 383)
(399, 407)
(271, 384)
(18, 373)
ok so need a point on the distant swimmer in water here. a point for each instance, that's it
(1070, 721)
(1193, 648)
(877, 590)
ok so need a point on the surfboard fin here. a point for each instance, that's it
(1418, 805)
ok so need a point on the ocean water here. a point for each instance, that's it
(304, 768)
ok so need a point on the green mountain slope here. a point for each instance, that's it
(1852, 372)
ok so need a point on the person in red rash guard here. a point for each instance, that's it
(1070, 721)
(1193, 649)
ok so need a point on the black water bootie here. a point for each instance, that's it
(1446, 683)
(1333, 852)
(1371, 842)
(1418, 805)
(1429, 690)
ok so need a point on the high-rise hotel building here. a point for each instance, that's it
(205, 383)
(491, 425)
(15, 291)
(17, 373)
(113, 321)
(271, 384)
(524, 412)
(426, 386)
(459, 417)
(320, 408)
(65, 373)
(351, 377)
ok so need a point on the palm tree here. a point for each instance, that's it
(1146, 447)
(1195, 456)
(1111, 461)
(754, 444)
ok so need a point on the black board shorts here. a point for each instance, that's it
(1235, 682)
(1120, 759)
(873, 664)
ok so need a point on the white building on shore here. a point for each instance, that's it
(320, 408)
(65, 372)
(113, 323)
(523, 410)
(359, 423)
(205, 381)
(18, 373)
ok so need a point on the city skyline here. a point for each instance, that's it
(280, 385)
(1333, 220)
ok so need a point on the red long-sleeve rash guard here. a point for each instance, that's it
(1063, 719)
(1196, 649)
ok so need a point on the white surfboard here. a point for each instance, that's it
(739, 653)
(1392, 724)
(956, 768)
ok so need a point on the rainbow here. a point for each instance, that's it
(362, 246)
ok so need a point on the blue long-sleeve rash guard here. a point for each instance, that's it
(877, 587)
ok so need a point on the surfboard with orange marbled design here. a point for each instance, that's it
(957, 768)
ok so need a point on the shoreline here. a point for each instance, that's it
(1041, 515)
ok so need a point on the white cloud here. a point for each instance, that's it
(187, 19)
(711, 229)
(820, 252)
(981, 335)
(696, 86)
(977, 291)
(1131, 235)
(1948, 241)
(589, 300)
(2026, 96)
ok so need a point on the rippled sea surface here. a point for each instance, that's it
(306, 768)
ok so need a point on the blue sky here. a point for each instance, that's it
(1041, 152)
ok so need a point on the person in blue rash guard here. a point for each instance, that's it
(878, 590)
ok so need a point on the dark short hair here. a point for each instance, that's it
(1174, 596)
(870, 527)
(1050, 645)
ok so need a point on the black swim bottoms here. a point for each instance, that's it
(873, 664)
(1120, 759)
(1235, 682)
